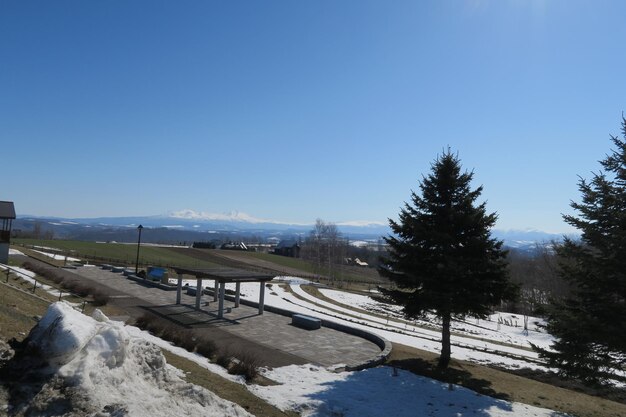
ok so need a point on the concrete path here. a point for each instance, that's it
(272, 331)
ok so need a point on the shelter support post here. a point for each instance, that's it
(237, 293)
(179, 288)
(220, 312)
(215, 290)
(261, 297)
(198, 292)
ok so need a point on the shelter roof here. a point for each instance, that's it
(7, 210)
(225, 274)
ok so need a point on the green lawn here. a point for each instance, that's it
(282, 260)
(340, 273)
(120, 253)
(17, 312)
(125, 254)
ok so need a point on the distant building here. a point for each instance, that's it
(356, 262)
(7, 215)
(289, 248)
(234, 246)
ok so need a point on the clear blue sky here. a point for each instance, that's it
(293, 110)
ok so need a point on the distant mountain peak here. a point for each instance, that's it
(235, 216)
(362, 223)
(238, 216)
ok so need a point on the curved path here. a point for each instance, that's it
(464, 348)
(408, 329)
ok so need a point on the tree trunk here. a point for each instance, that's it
(444, 359)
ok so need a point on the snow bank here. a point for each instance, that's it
(115, 370)
(57, 257)
(315, 391)
(29, 276)
(62, 333)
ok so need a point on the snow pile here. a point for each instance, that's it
(117, 373)
(314, 391)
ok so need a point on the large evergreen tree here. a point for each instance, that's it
(590, 325)
(442, 256)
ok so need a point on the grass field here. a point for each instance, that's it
(285, 261)
(340, 274)
(119, 253)
(17, 312)
(125, 254)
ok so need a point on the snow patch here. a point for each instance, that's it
(57, 256)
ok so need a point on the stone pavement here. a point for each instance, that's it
(273, 331)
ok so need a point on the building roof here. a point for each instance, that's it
(225, 274)
(7, 210)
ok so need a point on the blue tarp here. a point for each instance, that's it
(156, 273)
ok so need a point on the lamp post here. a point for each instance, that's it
(138, 244)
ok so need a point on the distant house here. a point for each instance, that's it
(289, 248)
(7, 215)
(234, 246)
(356, 262)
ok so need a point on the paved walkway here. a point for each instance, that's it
(323, 346)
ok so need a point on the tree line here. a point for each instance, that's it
(328, 250)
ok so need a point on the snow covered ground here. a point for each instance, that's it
(314, 391)
(119, 370)
(501, 327)
(467, 348)
(507, 346)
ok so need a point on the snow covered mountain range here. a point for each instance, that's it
(237, 223)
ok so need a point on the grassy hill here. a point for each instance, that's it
(125, 254)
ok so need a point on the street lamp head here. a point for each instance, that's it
(139, 227)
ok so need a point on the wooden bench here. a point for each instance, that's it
(306, 322)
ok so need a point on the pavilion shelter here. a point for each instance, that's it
(222, 276)
(7, 215)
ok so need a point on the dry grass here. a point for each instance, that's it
(18, 312)
(224, 388)
(505, 385)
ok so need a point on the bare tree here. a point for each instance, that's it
(323, 247)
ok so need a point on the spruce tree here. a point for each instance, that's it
(441, 254)
(590, 325)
